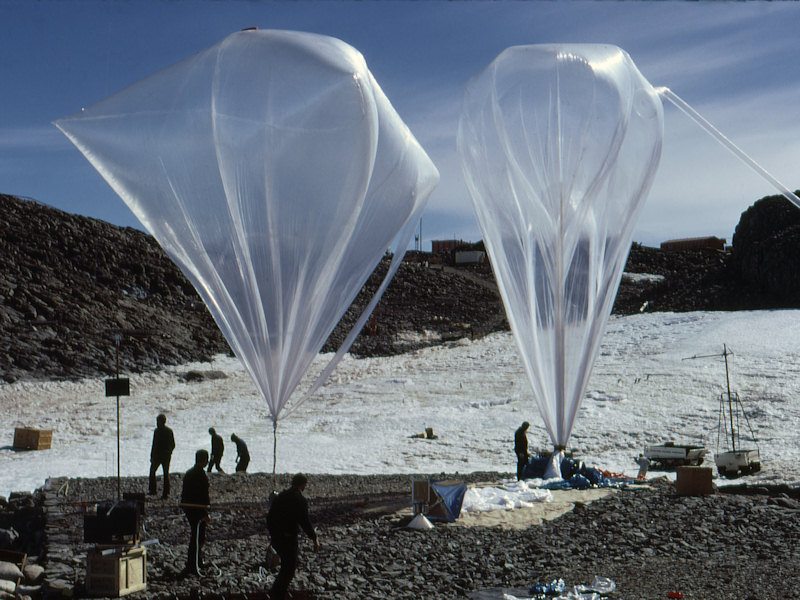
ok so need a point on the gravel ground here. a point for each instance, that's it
(737, 545)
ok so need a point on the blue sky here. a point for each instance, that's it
(737, 63)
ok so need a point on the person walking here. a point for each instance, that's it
(161, 454)
(287, 514)
(217, 448)
(195, 501)
(242, 455)
(521, 448)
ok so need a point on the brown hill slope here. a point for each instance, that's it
(70, 284)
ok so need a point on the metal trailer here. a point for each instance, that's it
(670, 455)
(741, 462)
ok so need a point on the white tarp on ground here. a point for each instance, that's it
(509, 494)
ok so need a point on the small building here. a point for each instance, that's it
(470, 257)
(698, 243)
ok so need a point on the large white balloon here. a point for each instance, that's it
(559, 145)
(273, 170)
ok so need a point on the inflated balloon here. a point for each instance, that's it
(559, 145)
(273, 170)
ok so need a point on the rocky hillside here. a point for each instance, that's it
(70, 285)
(767, 251)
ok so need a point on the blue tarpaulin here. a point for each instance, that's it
(450, 496)
(574, 473)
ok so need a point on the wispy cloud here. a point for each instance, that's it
(45, 137)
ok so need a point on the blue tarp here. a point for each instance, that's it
(574, 473)
(452, 496)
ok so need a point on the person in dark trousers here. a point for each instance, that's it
(195, 501)
(217, 448)
(287, 514)
(242, 455)
(521, 448)
(161, 454)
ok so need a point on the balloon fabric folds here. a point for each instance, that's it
(559, 145)
(274, 171)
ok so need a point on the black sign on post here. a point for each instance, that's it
(120, 386)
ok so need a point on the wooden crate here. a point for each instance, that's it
(26, 438)
(117, 574)
(693, 481)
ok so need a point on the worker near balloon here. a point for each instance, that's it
(160, 455)
(217, 450)
(521, 449)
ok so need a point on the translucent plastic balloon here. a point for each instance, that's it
(559, 145)
(273, 170)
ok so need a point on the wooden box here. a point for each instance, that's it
(26, 438)
(694, 481)
(122, 572)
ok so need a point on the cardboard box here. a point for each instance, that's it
(26, 438)
(122, 572)
(694, 481)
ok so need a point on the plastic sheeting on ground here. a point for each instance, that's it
(508, 495)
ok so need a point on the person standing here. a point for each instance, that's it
(242, 455)
(161, 454)
(287, 514)
(217, 448)
(644, 465)
(195, 501)
(521, 448)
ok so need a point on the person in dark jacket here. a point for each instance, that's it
(161, 454)
(287, 514)
(195, 501)
(521, 448)
(242, 455)
(217, 448)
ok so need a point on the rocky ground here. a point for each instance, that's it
(738, 545)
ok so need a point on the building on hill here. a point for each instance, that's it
(470, 257)
(459, 252)
(698, 243)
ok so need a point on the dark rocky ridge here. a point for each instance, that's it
(767, 250)
(68, 284)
